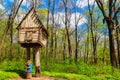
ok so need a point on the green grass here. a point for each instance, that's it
(71, 76)
(66, 75)
(81, 68)
(71, 71)
(6, 75)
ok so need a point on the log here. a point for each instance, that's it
(37, 62)
(28, 75)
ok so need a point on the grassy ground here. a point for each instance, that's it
(72, 71)
(6, 75)
(72, 76)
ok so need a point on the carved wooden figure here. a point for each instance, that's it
(32, 34)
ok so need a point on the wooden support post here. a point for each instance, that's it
(33, 55)
(28, 74)
(37, 62)
(28, 54)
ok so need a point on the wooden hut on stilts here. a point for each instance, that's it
(32, 34)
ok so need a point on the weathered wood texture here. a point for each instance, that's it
(31, 31)
(28, 75)
(37, 61)
(28, 54)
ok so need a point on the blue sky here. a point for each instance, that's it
(81, 7)
(81, 4)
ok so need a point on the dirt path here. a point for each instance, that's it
(41, 78)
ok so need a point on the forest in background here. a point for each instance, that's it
(81, 45)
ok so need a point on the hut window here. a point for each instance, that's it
(29, 36)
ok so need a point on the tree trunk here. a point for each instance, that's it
(95, 53)
(37, 62)
(118, 39)
(103, 58)
(19, 50)
(69, 45)
(46, 62)
(11, 40)
(111, 43)
(52, 30)
(77, 19)
(92, 27)
(76, 45)
(64, 47)
(109, 17)
(76, 36)
(67, 26)
(10, 21)
(118, 45)
(87, 52)
(94, 42)
(55, 52)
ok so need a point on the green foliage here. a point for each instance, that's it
(6, 75)
(63, 69)
(98, 72)
(42, 14)
(66, 75)
(2, 27)
(77, 76)
(104, 77)
(13, 66)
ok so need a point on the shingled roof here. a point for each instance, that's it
(32, 9)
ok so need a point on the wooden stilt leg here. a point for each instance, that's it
(28, 74)
(34, 55)
(28, 54)
(37, 62)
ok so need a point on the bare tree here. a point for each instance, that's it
(10, 22)
(92, 26)
(47, 29)
(52, 29)
(67, 26)
(77, 19)
(87, 48)
(109, 18)
(117, 27)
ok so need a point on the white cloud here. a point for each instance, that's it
(1, 7)
(60, 19)
(25, 2)
(84, 3)
(79, 17)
